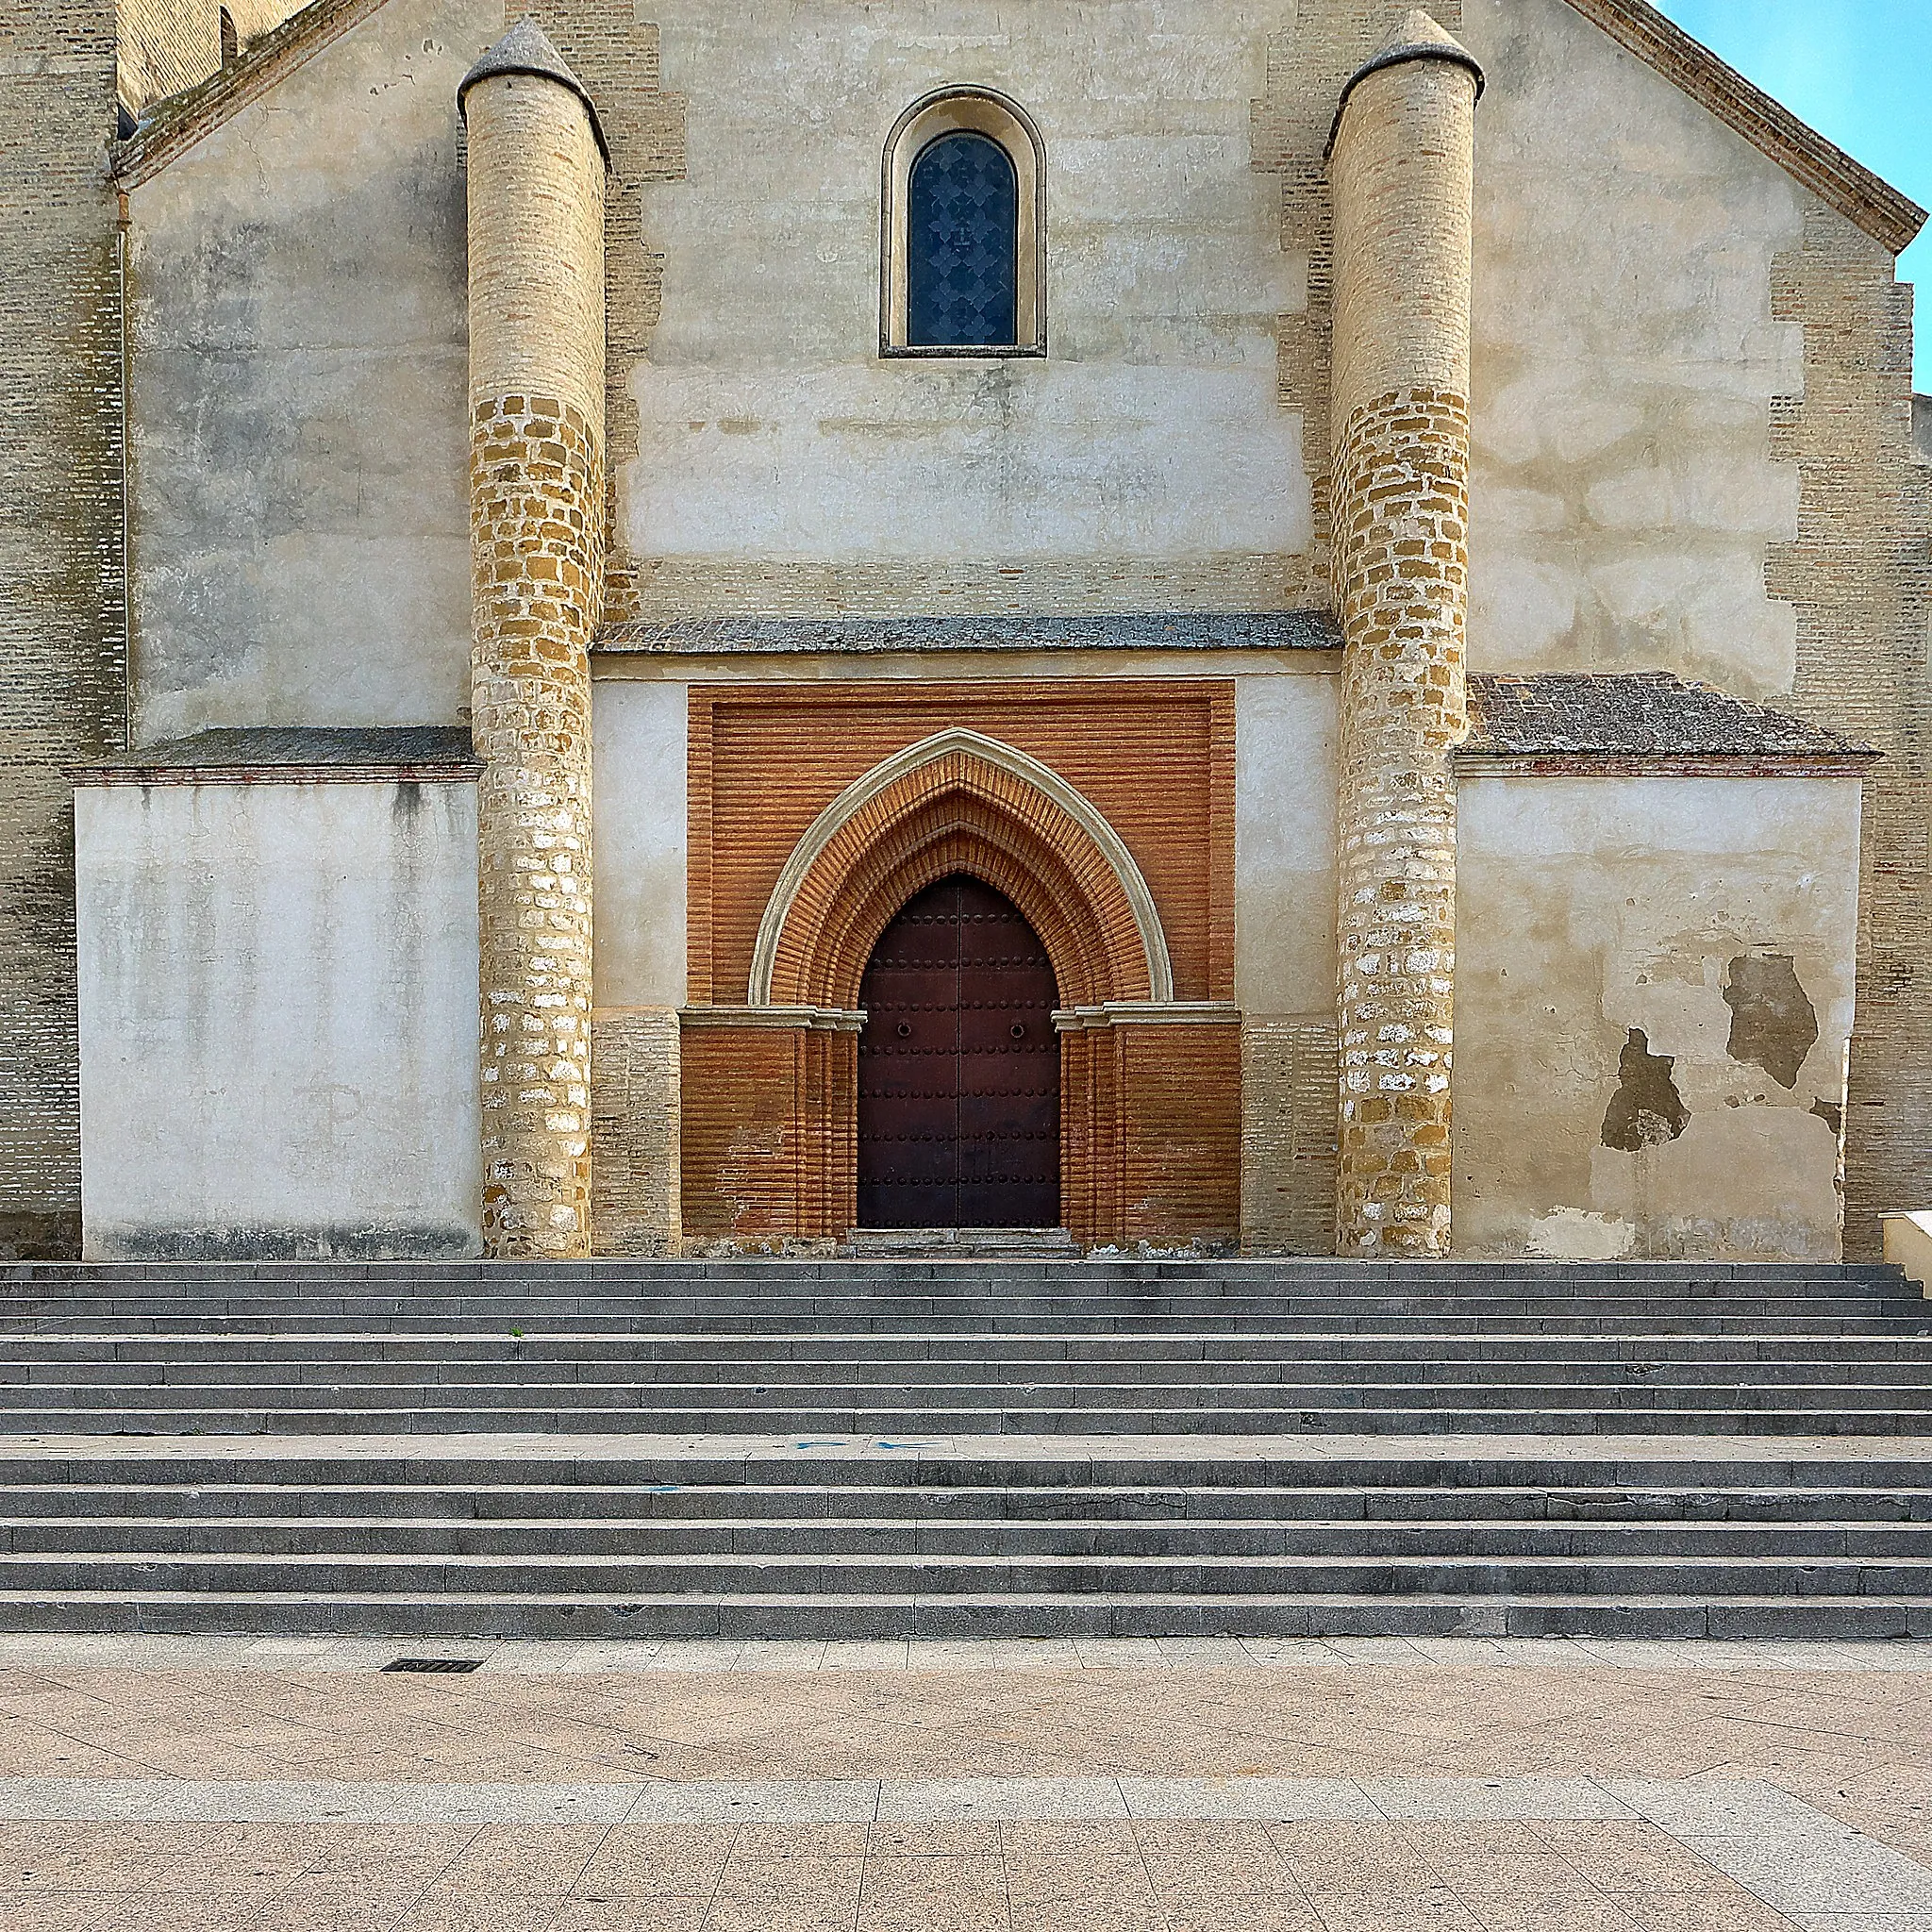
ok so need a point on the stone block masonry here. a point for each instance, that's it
(535, 233)
(1403, 177)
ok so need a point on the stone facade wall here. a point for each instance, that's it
(1402, 171)
(536, 519)
(1654, 993)
(299, 528)
(790, 469)
(62, 620)
(1626, 360)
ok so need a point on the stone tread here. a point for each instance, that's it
(1199, 1496)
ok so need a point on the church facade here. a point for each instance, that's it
(1292, 625)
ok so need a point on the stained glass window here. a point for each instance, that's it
(962, 245)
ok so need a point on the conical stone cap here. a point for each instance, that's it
(1416, 31)
(1416, 37)
(527, 49)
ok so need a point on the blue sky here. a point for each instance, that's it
(1859, 72)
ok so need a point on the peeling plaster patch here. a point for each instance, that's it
(1774, 1024)
(1646, 1109)
(1831, 1114)
(1571, 1234)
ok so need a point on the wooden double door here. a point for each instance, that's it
(960, 1068)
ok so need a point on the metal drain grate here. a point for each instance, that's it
(440, 1666)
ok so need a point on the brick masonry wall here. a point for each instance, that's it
(536, 181)
(769, 1151)
(635, 1173)
(62, 622)
(166, 45)
(1402, 172)
(1180, 1133)
(1860, 576)
(616, 57)
(1290, 1070)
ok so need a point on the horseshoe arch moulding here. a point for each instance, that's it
(1145, 1079)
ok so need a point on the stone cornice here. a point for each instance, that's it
(1848, 186)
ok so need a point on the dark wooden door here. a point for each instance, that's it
(959, 1068)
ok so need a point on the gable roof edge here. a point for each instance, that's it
(1863, 197)
(183, 118)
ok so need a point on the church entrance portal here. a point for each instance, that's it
(959, 1068)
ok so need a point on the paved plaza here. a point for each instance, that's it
(229, 1785)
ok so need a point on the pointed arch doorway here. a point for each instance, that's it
(959, 1067)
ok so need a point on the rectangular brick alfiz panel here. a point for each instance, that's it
(1151, 1067)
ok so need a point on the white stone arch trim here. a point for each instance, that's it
(1004, 758)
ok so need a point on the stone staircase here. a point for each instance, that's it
(1012, 1447)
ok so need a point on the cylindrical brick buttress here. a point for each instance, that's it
(536, 244)
(1401, 171)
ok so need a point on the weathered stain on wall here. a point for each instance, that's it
(1625, 358)
(278, 1019)
(1646, 1109)
(1774, 1024)
(1613, 931)
(1145, 463)
(300, 435)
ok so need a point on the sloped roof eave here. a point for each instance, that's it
(177, 123)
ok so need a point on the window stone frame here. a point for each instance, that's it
(975, 110)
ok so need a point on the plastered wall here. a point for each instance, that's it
(1145, 463)
(299, 513)
(1654, 992)
(638, 742)
(1624, 494)
(278, 1019)
(1286, 731)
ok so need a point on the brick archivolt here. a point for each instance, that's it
(956, 803)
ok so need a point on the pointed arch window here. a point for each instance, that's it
(963, 269)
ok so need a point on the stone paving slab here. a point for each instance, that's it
(615, 1656)
(1808, 1871)
(213, 1786)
